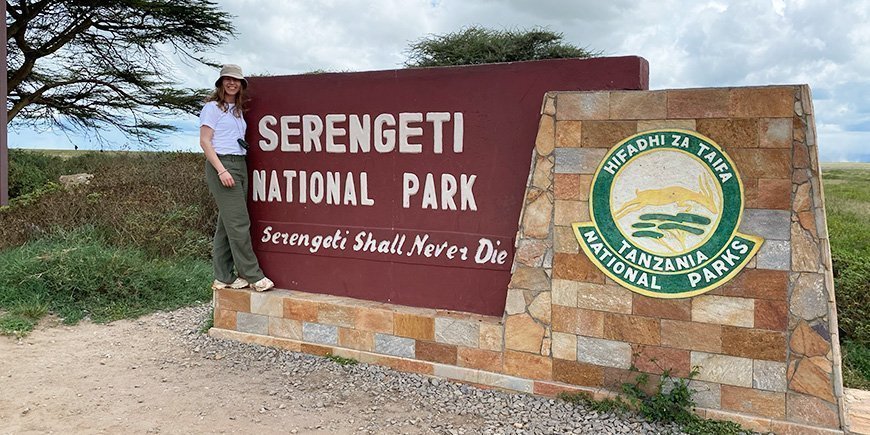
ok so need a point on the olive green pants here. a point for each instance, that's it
(232, 237)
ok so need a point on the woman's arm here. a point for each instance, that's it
(206, 134)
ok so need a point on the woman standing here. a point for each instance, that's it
(221, 136)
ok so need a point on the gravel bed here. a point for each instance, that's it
(437, 406)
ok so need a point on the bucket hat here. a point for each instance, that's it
(234, 71)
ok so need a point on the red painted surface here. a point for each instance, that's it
(500, 106)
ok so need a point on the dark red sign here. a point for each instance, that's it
(403, 186)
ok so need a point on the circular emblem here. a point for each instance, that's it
(665, 208)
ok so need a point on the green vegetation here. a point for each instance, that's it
(340, 360)
(847, 200)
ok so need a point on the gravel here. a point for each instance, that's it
(432, 405)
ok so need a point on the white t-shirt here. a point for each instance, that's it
(227, 128)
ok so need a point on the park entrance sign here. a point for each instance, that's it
(665, 207)
(403, 186)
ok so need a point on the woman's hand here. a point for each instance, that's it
(227, 179)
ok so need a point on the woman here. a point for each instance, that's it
(221, 136)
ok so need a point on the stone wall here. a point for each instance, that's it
(765, 343)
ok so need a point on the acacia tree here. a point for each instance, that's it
(476, 45)
(81, 65)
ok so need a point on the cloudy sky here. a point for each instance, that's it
(688, 43)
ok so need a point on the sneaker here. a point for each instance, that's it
(263, 284)
(237, 284)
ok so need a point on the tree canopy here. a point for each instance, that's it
(476, 45)
(83, 64)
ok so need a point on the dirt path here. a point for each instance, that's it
(137, 377)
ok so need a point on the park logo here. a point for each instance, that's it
(665, 208)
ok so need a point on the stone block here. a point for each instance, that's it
(530, 278)
(457, 332)
(537, 217)
(812, 411)
(285, 328)
(314, 349)
(633, 329)
(395, 346)
(756, 284)
(805, 254)
(772, 315)
(542, 174)
(568, 212)
(565, 293)
(544, 141)
(527, 365)
(356, 339)
(774, 255)
(807, 220)
(567, 186)
(252, 323)
(576, 267)
(531, 252)
(723, 369)
(615, 378)
(774, 194)
(234, 300)
(730, 133)
(761, 102)
(321, 334)
(479, 359)
(602, 352)
(812, 376)
(692, 336)
(757, 344)
(414, 326)
(521, 332)
(658, 124)
(698, 103)
(515, 303)
(606, 134)
(809, 297)
(405, 365)
(655, 359)
(339, 315)
(573, 372)
(491, 336)
(548, 107)
(676, 309)
(723, 310)
(564, 240)
(638, 105)
(578, 321)
(610, 298)
(807, 342)
(770, 224)
(568, 134)
(762, 162)
(564, 346)
(745, 421)
(299, 309)
(578, 160)
(706, 394)
(768, 375)
(775, 132)
(582, 105)
(268, 304)
(541, 308)
(749, 401)
(374, 320)
(436, 352)
(225, 319)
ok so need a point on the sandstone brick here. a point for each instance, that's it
(544, 141)
(761, 102)
(458, 332)
(812, 411)
(769, 375)
(374, 320)
(568, 212)
(225, 319)
(807, 219)
(436, 352)
(573, 372)
(755, 424)
(605, 134)
(655, 359)
(568, 134)
(550, 389)
(659, 124)
(801, 156)
(302, 310)
(565, 293)
(608, 353)
(771, 315)
(542, 175)
(523, 333)
(576, 267)
(723, 310)
(414, 326)
(526, 365)
(697, 103)
(356, 339)
(771, 194)
(775, 132)
(614, 378)
(234, 300)
(723, 369)
(730, 133)
(479, 359)
(564, 240)
(541, 308)
(537, 216)
(806, 341)
(252, 323)
(268, 303)
(750, 401)
(582, 105)
(405, 365)
(805, 253)
(809, 296)
(604, 298)
(691, 336)
(285, 328)
(578, 160)
(338, 315)
(564, 346)
(567, 186)
(757, 284)
(393, 345)
(491, 336)
(633, 329)
(578, 321)
(638, 105)
(515, 302)
(754, 343)
(314, 349)
(762, 162)
(530, 278)
(812, 376)
(531, 252)
(677, 309)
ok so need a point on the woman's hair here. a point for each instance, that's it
(218, 97)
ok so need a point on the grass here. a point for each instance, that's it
(847, 201)
(77, 274)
